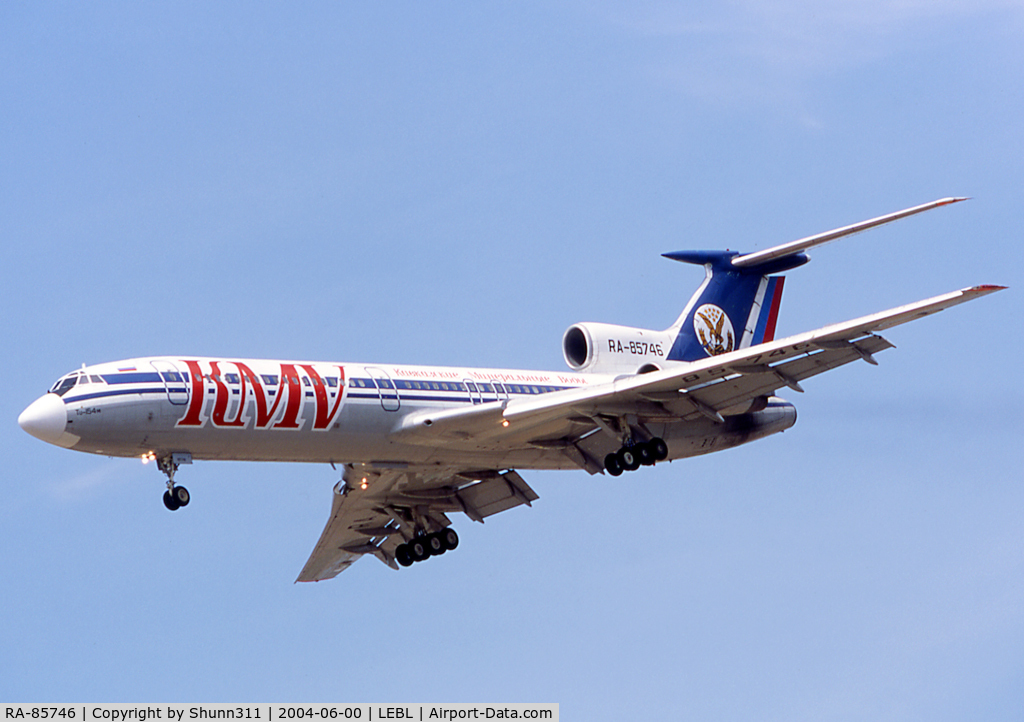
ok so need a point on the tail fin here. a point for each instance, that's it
(738, 303)
(734, 308)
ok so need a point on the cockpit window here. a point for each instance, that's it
(64, 385)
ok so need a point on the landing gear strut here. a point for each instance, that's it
(631, 458)
(424, 546)
(176, 496)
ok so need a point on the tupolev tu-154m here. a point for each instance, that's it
(419, 443)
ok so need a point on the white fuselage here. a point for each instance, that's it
(267, 410)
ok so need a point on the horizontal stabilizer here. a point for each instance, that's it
(787, 249)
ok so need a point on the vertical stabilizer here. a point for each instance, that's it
(734, 308)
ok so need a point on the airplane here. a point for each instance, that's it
(419, 443)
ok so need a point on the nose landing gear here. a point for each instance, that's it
(176, 496)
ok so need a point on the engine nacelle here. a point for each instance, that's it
(611, 349)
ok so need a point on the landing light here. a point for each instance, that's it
(148, 457)
(504, 423)
(363, 485)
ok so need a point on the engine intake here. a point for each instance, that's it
(606, 348)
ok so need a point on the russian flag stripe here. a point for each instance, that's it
(765, 330)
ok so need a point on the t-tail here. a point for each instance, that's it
(737, 306)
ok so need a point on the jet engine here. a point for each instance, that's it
(607, 348)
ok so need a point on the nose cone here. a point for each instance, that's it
(46, 418)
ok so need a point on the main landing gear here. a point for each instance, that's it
(424, 546)
(631, 458)
(176, 496)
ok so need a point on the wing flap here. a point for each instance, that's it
(495, 495)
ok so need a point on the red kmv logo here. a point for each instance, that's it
(270, 402)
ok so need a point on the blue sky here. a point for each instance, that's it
(457, 183)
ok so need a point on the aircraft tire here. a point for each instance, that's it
(182, 496)
(628, 459)
(612, 466)
(435, 545)
(659, 448)
(450, 539)
(644, 453)
(418, 549)
(402, 555)
(171, 501)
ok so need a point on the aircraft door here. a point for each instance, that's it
(175, 382)
(386, 388)
(482, 392)
(475, 392)
(497, 391)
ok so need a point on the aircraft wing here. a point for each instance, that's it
(702, 388)
(374, 511)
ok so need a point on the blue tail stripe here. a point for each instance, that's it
(770, 302)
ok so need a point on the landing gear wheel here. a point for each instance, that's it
(612, 466)
(176, 496)
(451, 539)
(644, 453)
(171, 501)
(659, 448)
(181, 495)
(403, 556)
(418, 550)
(628, 459)
(435, 545)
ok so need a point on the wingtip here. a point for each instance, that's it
(985, 288)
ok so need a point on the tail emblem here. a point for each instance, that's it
(714, 329)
